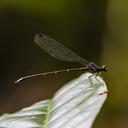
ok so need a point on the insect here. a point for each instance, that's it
(59, 51)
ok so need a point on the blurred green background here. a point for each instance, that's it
(96, 30)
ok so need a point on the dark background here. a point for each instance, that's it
(96, 30)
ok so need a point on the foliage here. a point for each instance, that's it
(75, 105)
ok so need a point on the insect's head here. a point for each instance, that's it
(104, 68)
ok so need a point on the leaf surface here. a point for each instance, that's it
(75, 105)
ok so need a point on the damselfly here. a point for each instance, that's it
(58, 51)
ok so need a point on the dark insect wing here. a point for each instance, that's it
(57, 50)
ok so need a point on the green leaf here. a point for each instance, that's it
(74, 106)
